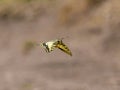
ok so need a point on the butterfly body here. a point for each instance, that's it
(51, 45)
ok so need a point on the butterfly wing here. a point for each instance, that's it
(63, 47)
(49, 46)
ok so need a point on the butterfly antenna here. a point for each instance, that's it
(63, 38)
(60, 39)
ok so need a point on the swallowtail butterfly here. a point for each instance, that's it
(58, 43)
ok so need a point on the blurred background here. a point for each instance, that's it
(90, 28)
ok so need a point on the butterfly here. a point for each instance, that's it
(58, 43)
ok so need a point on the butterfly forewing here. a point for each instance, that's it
(63, 47)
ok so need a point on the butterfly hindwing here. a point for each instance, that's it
(49, 46)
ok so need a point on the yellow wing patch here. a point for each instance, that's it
(63, 47)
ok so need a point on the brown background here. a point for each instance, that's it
(91, 29)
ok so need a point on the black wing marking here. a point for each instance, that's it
(63, 47)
